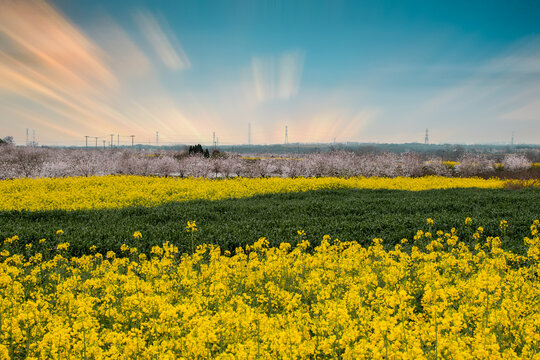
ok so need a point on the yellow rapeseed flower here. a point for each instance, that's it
(104, 192)
(444, 300)
(62, 246)
(191, 226)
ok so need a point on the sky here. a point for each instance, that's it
(365, 71)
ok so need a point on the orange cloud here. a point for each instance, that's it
(50, 65)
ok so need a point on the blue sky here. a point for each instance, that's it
(380, 71)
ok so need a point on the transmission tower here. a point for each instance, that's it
(112, 140)
(286, 135)
(27, 137)
(132, 139)
(512, 142)
(157, 138)
(426, 140)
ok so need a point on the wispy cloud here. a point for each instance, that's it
(498, 97)
(48, 61)
(328, 120)
(277, 78)
(50, 46)
(119, 51)
(165, 45)
(57, 78)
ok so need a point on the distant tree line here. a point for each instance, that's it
(198, 149)
(24, 161)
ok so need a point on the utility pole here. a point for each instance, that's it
(132, 139)
(426, 140)
(103, 144)
(86, 137)
(249, 133)
(112, 140)
(286, 135)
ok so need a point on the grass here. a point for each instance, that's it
(346, 214)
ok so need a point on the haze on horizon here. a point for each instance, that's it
(377, 71)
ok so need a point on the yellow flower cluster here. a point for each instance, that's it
(339, 300)
(191, 226)
(123, 191)
(451, 164)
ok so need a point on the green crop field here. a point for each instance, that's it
(359, 215)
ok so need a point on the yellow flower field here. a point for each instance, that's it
(339, 300)
(76, 193)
